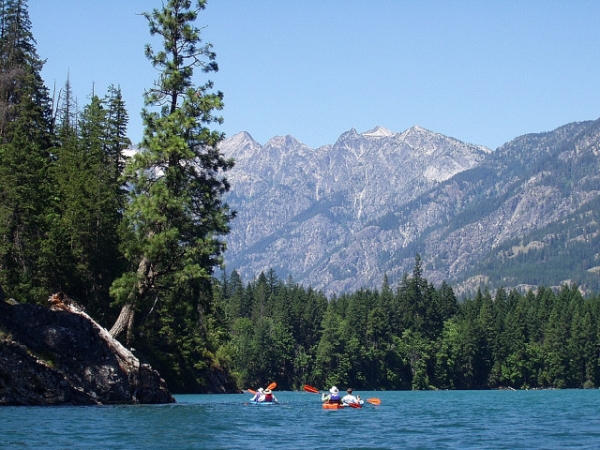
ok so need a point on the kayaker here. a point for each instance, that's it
(350, 398)
(259, 396)
(333, 396)
(269, 397)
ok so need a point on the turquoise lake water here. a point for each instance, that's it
(567, 419)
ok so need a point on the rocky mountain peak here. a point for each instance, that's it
(341, 217)
(299, 208)
(378, 132)
(241, 139)
(286, 141)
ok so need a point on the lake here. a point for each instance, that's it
(552, 419)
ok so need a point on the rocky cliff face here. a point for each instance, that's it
(309, 213)
(536, 199)
(61, 356)
(340, 217)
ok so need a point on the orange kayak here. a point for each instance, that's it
(332, 406)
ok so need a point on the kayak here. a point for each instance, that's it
(262, 403)
(333, 406)
(341, 406)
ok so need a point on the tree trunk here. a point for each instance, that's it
(123, 322)
(126, 317)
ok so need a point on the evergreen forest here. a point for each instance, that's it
(415, 337)
(137, 241)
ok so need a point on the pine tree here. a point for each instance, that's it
(176, 216)
(89, 208)
(115, 140)
(331, 357)
(65, 173)
(24, 99)
(25, 140)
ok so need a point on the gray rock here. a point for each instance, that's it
(61, 356)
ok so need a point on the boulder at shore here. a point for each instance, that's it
(60, 356)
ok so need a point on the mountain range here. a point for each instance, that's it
(341, 217)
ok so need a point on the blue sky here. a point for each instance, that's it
(483, 72)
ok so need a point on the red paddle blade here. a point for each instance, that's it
(374, 401)
(251, 391)
(272, 386)
(311, 389)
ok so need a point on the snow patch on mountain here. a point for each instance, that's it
(377, 132)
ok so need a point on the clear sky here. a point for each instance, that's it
(481, 71)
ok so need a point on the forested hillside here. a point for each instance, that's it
(552, 181)
(414, 337)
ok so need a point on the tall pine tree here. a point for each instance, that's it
(176, 217)
(25, 141)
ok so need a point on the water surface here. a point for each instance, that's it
(568, 419)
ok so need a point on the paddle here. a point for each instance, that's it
(272, 386)
(311, 389)
(374, 401)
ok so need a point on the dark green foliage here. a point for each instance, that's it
(417, 338)
(88, 202)
(556, 256)
(62, 197)
(25, 143)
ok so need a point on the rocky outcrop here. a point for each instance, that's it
(60, 356)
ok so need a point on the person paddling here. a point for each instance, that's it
(350, 398)
(333, 396)
(259, 396)
(269, 397)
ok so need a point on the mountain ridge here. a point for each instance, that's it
(340, 217)
(289, 196)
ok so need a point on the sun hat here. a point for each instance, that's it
(267, 391)
(261, 390)
(334, 390)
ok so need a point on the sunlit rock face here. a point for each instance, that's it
(340, 217)
(313, 213)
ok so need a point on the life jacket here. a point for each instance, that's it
(335, 398)
(268, 398)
